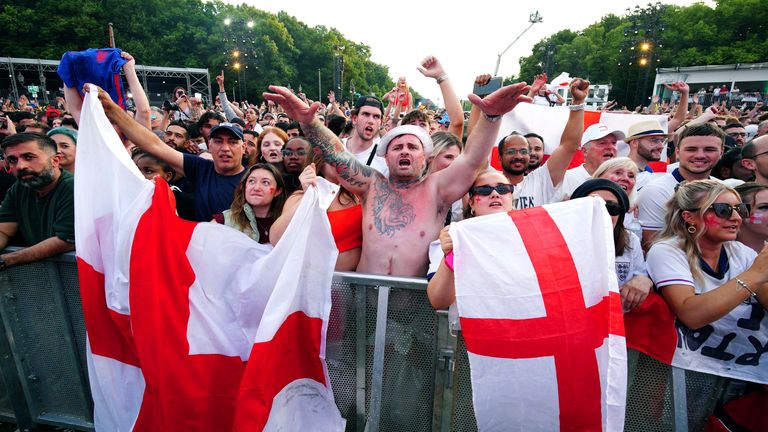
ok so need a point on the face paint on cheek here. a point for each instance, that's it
(711, 220)
(271, 191)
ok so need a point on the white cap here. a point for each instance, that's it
(417, 131)
(599, 130)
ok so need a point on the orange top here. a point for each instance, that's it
(347, 227)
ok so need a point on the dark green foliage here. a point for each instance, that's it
(735, 31)
(191, 33)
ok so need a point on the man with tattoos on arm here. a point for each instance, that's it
(404, 212)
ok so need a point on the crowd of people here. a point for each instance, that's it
(693, 227)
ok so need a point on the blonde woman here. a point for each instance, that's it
(697, 265)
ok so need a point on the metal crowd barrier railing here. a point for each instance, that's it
(394, 363)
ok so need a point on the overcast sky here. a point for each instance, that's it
(465, 36)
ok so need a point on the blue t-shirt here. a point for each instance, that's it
(213, 192)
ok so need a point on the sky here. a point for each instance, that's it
(465, 38)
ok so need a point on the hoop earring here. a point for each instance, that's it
(692, 229)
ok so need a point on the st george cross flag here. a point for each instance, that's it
(541, 318)
(179, 315)
(549, 122)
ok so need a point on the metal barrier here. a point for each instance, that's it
(394, 364)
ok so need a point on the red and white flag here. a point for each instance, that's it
(541, 317)
(549, 122)
(735, 346)
(187, 321)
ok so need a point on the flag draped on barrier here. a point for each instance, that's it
(735, 346)
(193, 326)
(541, 317)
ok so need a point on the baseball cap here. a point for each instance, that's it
(371, 101)
(599, 130)
(229, 127)
(417, 131)
(268, 114)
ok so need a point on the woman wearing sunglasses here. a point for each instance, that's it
(696, 263)
(490, 193)
(634, 283)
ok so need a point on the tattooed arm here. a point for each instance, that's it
(354, 176)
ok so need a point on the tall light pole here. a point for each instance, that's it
(533, 19)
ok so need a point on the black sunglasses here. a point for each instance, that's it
(486, 190)
(724, 211)
(614, 208)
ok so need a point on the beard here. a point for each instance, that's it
(509, 170)
(37, 179)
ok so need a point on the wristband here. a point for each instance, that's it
(492, 118)
(578, 107)
(442, 78)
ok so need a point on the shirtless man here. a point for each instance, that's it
(404, 212)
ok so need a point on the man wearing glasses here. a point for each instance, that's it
(295, 158)
(646, 142)
(540, 186)
(755, 158)
(737, 132)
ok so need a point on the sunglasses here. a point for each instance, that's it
(486, 190)
(724, 211)
(614, 208)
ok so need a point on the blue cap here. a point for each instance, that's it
(231, 128)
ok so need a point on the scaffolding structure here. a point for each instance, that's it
(45, 79)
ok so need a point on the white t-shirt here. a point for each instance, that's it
(574, 177)
(540, 100)
(378, 163)
(652, 200)
(667, 265)
(536, 189)
(631, 263)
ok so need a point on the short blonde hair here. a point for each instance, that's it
(620, 162)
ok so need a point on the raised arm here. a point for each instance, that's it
(539, 81)
(431, 68)
(143, 110)
(682, 107)
(353, 175)
(138, 134)
(474, 113)
(334, 104)
(229, 113)
(453, 182)
(73, 102)
(570, 140)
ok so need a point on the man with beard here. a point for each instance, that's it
(404, 212)
(646, 141)
(536, 150)
(700, 147)
(40, 205)
(540, 186)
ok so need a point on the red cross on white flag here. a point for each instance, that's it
(192, 326)
(540, 313)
